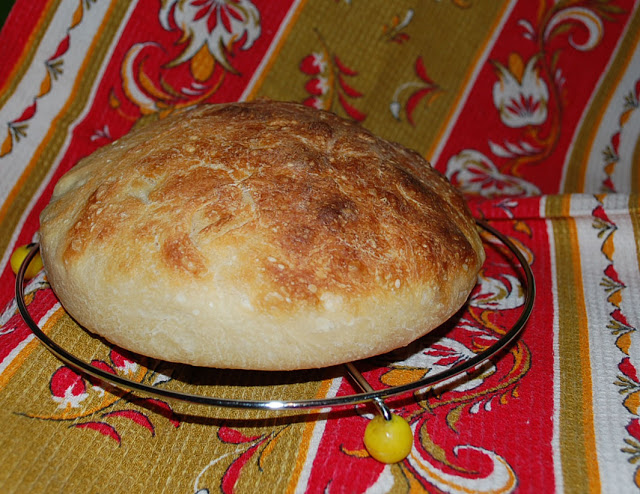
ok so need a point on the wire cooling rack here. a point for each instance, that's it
(366, 394)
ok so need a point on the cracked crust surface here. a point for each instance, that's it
(261, 235)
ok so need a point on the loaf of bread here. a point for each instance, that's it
(261, 235)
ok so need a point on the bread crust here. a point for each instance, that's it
(262, 235)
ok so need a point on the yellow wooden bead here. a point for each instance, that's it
(388, 441)
(19, 256)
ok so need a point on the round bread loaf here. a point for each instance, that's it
(261, 235)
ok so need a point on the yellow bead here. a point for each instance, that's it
(388, 441)
(19, 256)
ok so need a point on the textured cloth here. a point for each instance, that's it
(531, 108)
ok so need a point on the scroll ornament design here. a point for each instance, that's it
(250, 456)
(529, 95)
(394, 32)
(156, 80)
(449, 407)
(422, 89)
(86, 404)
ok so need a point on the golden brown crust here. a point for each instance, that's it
(289, 210)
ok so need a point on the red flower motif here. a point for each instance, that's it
(314, 102)
(104, 412)
(628, 369)
(421, 93)
(123, 363)
(317, 86)
(444, 356)
(618, 316)
(611, 272)
(330, 84)
(230, 435)
(68, 388)
(313, 64)
(216, 11)
(63, 47)
(600, 213)
(102, 365)
(426, 88)
(634, 428)
(27, 114)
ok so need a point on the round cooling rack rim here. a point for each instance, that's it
(368, 393)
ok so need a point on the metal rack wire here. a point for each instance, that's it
(367, 394)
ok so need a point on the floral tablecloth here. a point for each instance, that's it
(530, 107)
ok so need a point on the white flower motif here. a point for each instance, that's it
(128, 367)
(317, 103)
(68, 388)
(218, 24)
(498, 294)
(475, 174)
(523, 100)
(70, 400)
(319, 60)
(444, 354)
(574, 16)
(513, 149)
(323, 85)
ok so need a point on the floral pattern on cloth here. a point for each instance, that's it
(442, 416)
(532, 96)
(153, 79)
(530, 108)
(86, 404)
(327, 86)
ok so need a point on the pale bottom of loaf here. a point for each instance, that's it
(214, 330)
